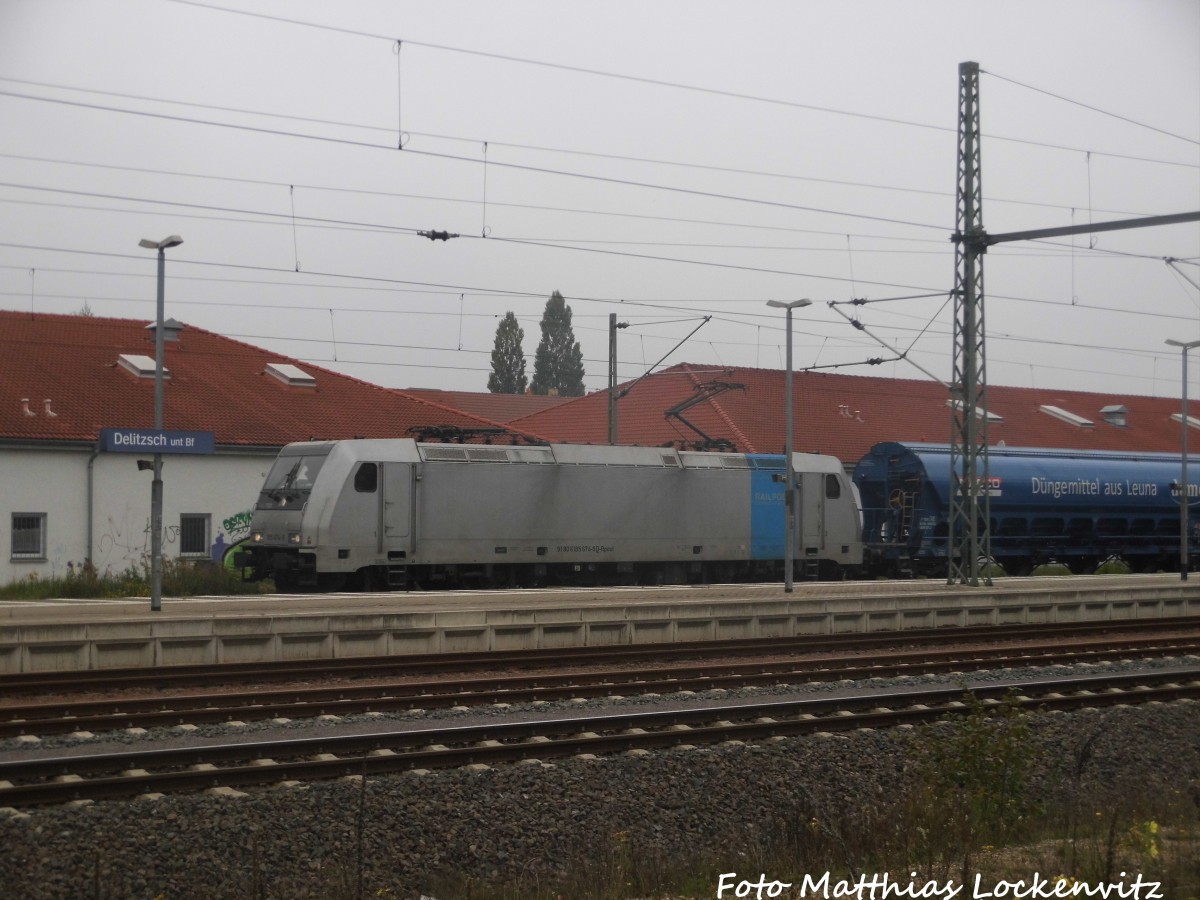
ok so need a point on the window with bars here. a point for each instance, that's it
(193, 534)
(28, 536)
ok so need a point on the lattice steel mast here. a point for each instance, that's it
(969, 539)
(969, 542)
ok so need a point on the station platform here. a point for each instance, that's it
(97, 634)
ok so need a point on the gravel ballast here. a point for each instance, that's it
(532, 822)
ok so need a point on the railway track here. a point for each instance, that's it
(348, 698)
(47, 780)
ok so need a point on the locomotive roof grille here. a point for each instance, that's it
(546, 456)
(760, 462)
(473, 453)
(451, 454)
(736, 462)
(487, 454)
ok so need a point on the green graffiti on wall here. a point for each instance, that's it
(238, 523)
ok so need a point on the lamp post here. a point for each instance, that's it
(156, 486)
(1184, 493)
(789, 496)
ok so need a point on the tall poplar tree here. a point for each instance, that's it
(558, 364)
(508, 358)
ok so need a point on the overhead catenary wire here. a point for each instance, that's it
(551, 237)
(593, 154)
(637, 79)
(1091, 108)
(904, 355)
(142, 170)
(284, 218)
(359, 281)
(520, 167)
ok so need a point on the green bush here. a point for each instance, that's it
(989, 568)
(1051, 568)
(180, 578)
(1114, 565)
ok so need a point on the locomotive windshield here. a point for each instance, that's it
(290, 480)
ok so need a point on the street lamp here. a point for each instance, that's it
(1184, 493)
(789, 497)
(156, 486)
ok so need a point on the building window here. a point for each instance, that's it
(193, 534)
(29, 536)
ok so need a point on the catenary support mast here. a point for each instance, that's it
(969, 545)
(969, 537)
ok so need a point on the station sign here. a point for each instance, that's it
(156, 440)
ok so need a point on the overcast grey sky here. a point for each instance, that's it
(661, 160)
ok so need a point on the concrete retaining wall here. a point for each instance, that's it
(141, 640)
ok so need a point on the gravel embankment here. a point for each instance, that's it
(532, 822)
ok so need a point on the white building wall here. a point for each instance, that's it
(54, 482)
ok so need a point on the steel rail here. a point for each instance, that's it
(348, 699)
(396, 751)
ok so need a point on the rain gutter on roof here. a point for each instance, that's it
(83, 444)
(46, 444)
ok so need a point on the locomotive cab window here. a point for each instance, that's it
(291, 478)
(366, 479)
(833, 487)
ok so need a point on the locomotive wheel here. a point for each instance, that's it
(331, 582)
(286, 583)
(369, 580)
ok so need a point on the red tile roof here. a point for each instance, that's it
(844, 415)
(60, 380)
(497, 407)
(67, 369)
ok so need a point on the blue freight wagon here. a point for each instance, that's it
(1075, 507)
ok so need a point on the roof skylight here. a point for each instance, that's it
(141, 366)
(1067, 416)
(991, 416)
(293, 376)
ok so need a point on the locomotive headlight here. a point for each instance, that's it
(257, 537)
(293, 537)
